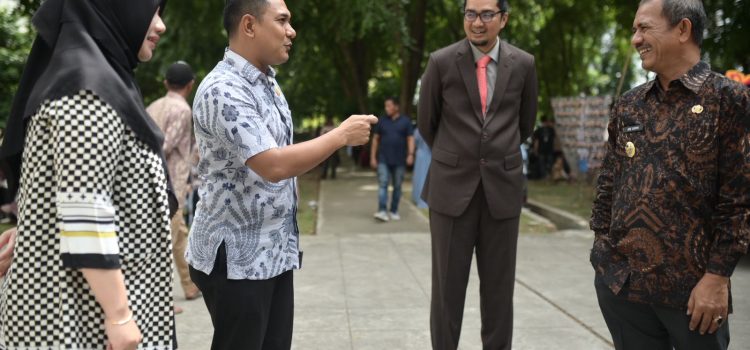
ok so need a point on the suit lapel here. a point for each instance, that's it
(503, 76)
(467, 68)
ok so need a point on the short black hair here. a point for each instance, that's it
(393, 99)
(676, 10)
(179, 75)
(235, 9)
(501, 4)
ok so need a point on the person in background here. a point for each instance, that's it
(8, 207)
(331, 162)
(173, 116)
(421, 167)
(544, 146)
(391, 152)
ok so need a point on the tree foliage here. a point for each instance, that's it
(195, 34)
(350, 55)
(15, 43)
(726, 44)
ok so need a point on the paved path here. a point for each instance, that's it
(366, 285)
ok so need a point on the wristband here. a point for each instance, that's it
(124, 321)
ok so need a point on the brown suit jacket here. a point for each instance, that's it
(466, 147)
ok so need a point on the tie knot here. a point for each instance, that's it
(484, 61)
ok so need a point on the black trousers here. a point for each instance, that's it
(247, 314)
(454, 240)
(637, 326)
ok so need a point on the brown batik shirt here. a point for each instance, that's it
(173, 116)
(673, 196)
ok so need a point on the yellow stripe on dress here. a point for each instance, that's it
(88, 234)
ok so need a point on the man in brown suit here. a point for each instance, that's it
(477, 103)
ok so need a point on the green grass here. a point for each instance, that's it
(307, 216)
(574, 197)
(4, 227)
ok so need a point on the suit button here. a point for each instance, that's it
(483, 161)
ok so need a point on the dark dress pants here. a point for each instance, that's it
(247, 314)
(454, 240)
(637, 326)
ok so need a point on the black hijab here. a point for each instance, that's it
(84, 45)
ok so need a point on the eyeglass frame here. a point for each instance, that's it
(481, 15)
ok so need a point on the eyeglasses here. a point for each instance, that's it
(485, 16)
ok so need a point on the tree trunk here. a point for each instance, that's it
(412, 53)
(356, 67)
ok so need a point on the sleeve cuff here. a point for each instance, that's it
(724, 268)
(91, 261)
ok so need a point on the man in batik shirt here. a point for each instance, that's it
(172, 114)
(673, 201)
(244, 240)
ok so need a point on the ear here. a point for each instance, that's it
(247, 25)
(685, 28)
(504, 19)
(166, 85)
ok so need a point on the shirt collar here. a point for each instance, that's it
(173, 94)
(494, 53)
(244, 68)
(693, 80)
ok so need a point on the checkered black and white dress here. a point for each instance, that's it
(92, 196)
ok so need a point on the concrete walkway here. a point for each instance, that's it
(366, 285)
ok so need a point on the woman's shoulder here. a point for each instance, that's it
(83, 111)
(83, 100)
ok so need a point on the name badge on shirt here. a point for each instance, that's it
(633, 128)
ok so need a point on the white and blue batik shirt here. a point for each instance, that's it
(239, 112)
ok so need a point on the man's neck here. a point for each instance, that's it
(395, 116)
(487, 48)
(247, 53)
(182, 93)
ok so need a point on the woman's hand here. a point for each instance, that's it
(125, 336)
(7, 245)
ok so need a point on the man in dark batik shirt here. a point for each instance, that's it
(673, 198)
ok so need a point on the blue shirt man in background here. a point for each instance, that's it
(392, 150)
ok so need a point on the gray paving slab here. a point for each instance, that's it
(335, 340)
(346, 206)
(366, 285)
(398, 339)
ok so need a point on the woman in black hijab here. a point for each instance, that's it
(92, 266)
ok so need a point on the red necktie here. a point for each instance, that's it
(482, 80)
